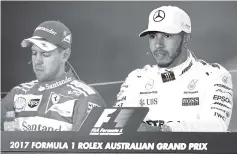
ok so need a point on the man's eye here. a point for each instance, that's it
(167, 35)
(152, 36)
(34, 52)
(46, 54)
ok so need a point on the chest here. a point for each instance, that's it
(46, 103)
(177, 99)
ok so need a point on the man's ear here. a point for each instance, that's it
(66, 54)
(186, 38)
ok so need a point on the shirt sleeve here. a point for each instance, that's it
(83, 108)
(7, 108)
(216, 110)
(128, 95)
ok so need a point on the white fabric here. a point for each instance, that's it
(168, 19)
(191, 102)
(44, 45)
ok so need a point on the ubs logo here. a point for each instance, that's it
(159, 16)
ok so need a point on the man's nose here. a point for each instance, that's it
(38, 59)
(159, 41)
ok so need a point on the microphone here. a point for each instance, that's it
(29, 62)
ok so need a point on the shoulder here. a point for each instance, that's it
(26, 86)
(81, 87)
(215, 71)
(86, 93)
(140, 72)
(213, 68)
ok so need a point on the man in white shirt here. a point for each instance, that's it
(182, 92)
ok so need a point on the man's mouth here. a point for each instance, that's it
(37, 69)
(160, 54)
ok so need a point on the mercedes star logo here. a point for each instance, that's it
(159, 16)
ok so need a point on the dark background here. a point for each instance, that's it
(106, 46)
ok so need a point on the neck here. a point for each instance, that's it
(182, 57)
(60, 73)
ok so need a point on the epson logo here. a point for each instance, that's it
(222, 98)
